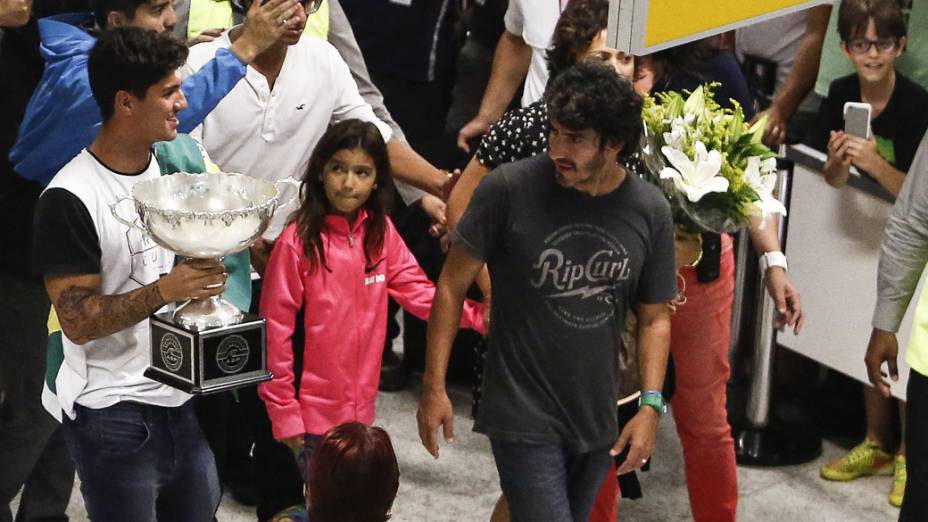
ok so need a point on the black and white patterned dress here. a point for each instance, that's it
(519, 134)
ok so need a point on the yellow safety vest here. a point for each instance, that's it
(208, 14)
(917, 352)
(216, 14)
(318, 23)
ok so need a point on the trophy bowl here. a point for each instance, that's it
(207, 215)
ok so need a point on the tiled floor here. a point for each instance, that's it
(462, 484)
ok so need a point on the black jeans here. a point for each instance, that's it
(33, 454)
(915, 502)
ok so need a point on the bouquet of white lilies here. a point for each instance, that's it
(709, 163)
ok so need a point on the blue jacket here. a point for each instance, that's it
(62, 117)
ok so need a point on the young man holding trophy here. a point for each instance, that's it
(136, 443)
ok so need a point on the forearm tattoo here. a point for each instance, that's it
(87, 315)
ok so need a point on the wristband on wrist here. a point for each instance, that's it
(653, 399)
(770, 259)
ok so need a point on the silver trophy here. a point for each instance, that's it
(206, 345)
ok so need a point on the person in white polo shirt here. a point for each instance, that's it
(521, 54)
(268, 125)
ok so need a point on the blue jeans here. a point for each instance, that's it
(549, 482)
(143, 463)
(305, 454)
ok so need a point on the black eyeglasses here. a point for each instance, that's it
(863, 45)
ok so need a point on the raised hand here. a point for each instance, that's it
(265, 23)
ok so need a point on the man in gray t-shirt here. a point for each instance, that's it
(572, 240)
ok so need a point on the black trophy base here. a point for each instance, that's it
(208, 361)
(775, 445)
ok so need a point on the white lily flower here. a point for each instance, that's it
(677, 135)
(766, 205)
(695, 177)
(769, 166)
(761, 176)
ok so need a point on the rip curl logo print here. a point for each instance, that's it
(580, 291)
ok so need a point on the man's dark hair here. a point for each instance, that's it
(576, 28)
(132, 60)
(102, 8)
(855, 15)
(591, 95)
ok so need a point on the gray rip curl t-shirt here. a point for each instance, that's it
(564, 266)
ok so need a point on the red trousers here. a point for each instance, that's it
(700, 336)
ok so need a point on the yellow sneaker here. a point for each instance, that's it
(867, 458)
(895, 495)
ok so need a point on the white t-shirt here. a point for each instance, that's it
(534, 21)
(777, 40)
(270, 134)
(72, 212)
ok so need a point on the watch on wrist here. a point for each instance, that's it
(772, 258)
(653, 399)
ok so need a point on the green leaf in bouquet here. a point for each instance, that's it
(757, 149)
(736, 126)
(696, 102)
(757, 130)
(673, 105)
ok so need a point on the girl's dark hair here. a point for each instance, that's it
(310, 217)
(854, 15)
(576, 28)
(353, 475)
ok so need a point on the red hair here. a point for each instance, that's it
(353, 475)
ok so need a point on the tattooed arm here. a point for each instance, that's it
(86, 314)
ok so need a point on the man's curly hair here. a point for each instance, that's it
(591, 95)
(576, 28)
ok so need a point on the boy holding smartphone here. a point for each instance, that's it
(873, 36)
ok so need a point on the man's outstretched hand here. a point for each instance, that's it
(435, 410)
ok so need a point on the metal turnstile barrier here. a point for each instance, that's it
(759, 439)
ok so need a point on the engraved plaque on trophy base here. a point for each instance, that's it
(208, 361)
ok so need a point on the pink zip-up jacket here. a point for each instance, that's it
(345, 323)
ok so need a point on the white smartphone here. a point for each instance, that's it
(857, 119)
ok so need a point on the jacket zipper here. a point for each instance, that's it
(359, 292)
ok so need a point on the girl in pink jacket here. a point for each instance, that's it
(338, 259)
